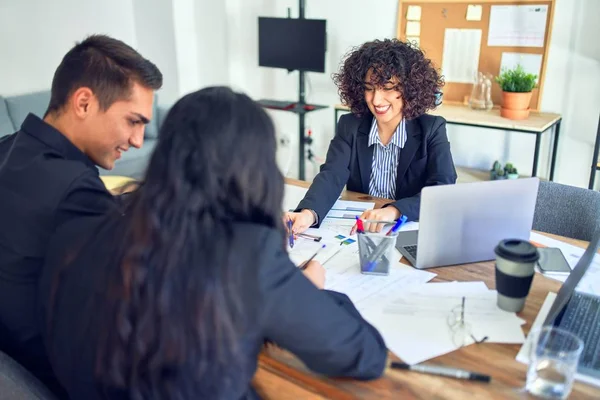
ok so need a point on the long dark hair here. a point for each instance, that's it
(174, 300)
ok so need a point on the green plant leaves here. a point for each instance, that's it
(516, 80)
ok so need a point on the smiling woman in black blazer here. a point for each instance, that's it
(387, 147)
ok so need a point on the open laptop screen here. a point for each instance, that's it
(568, 288)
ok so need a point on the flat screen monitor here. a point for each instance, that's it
(293, 44)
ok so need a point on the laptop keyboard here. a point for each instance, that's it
(412, 250)
(582, 318)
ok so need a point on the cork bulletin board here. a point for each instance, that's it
(438, 15)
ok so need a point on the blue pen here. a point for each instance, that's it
(397, 225)
(291, 238)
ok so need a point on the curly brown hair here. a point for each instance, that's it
(419, 81)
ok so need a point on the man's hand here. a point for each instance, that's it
(387, 214)
(315, 272)
(301, 220)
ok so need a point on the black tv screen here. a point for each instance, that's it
(293, 44)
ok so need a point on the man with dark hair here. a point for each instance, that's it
(101, 99)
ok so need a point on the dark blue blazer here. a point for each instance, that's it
(425, 160)
(321, 327)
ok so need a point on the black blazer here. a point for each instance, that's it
(425, 160)
(321, 327)
(44, 181)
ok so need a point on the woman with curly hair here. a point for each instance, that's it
(175, 298)
(388, 146)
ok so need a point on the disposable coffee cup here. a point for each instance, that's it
(515, 267)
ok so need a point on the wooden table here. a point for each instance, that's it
(537, 124)
(282, 376)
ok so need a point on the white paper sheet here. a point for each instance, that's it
(333, 235)
(369, 291)
(413, 28)
(517, 26)
(413, 13)
(346, 205)
(531, 63)
(474, 12)
(414, 324)
(460, 61)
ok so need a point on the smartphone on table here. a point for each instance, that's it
(553, 261)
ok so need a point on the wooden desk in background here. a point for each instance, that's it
(282, 376)
(537, 124)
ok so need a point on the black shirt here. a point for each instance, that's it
(44, 181)
(322, 328)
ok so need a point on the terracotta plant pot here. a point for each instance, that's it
(515, 105)
(514, 114)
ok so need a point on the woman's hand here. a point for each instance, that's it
(315, 272)
(386, 215)
(301, 221)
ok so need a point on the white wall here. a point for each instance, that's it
(199, 43)
(347, 26)
(213, 33)
(35, 35)
(572, 85)
(155, 37)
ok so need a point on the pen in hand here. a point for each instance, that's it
(305, 263)
(291, 233)
(359, 226)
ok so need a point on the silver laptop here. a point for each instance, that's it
(463, 223)
(579, 313)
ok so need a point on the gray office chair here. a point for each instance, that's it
(16, 383)
(567, 211)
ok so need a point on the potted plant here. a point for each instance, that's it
(516, 85)
(500, 174)
(495, 167)
(510, 171)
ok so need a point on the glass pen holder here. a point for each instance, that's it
(376, 252)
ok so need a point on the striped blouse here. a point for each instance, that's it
(385, 161)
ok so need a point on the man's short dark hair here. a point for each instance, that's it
(107, 66)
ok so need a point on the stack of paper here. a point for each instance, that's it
(415, 323)
(344, 212)
(334, 237)
(340, 255)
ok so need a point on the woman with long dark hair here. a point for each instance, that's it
(174, 297)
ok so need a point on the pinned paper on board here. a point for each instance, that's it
(413, 13)
(531, 63)
(520, 26)
(460, 59)
(413, 28)
(474, 12)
